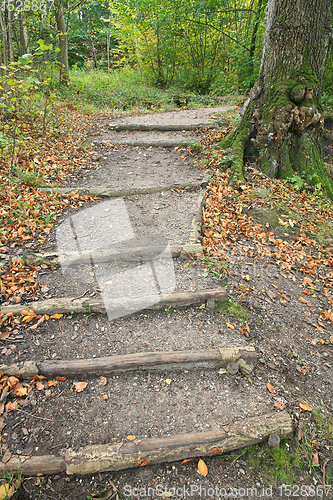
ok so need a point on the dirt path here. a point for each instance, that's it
(150, 404)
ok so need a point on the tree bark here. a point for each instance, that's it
(63, 46)
(282, 122)
(24, 44)
(10, 36)
(4, 40)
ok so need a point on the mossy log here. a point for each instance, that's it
(138, 453)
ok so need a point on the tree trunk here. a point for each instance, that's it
(4, 40)
(23, 35)
(282, 122)
(10, 36)
(63, 54)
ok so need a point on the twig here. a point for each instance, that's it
(35, 416)
(55, 446)
(80, 296)
(324, 479)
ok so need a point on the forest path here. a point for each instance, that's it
(125, 255)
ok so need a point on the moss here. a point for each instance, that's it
(325, 235)
(232, 308)
(237, 140)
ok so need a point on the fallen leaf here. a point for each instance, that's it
(56, 316)
(270, 388)
(51, 383)
(61, 379)
(279, 404)
(315, 458)
(6, 457)
(141, 463)
(247, 328)
(186, 460)
(12, 381)
(11, 406)
(105, 397)
(102, 381)
(271, 294)
(305, 407)
(202, 468)
(168, 381)
(80, 386)
(21, 391)
(131, 438)
(230, 326)
(103, 495)
(40, 386)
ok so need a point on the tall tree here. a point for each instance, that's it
(63, 45)
(282, 122)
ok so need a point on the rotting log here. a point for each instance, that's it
(138, 453)
(67, 305)
(244, 357)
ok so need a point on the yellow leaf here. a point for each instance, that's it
(108, 282)
(5, 491)
(230, 326)
(21, 391)
(305, 407)
(56, 316)
(131, 438)
(202, 468)
(168, 381)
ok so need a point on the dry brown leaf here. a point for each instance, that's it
(131, 438)
(315, 458)
(105, 397)
(61, 379)
(202, 468)
(247, 328)
(6, 457)
(39, 385)
(270, 388)
(280, 405)
(80, 386)
(56, 316)
(12, 381)
(305, 407)
(271, 294)
(102, 381)
(230, 326)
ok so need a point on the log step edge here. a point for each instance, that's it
(123, 455)
(242, 358)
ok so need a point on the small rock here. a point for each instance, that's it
(273, 441)
(210, 304)
(232, 368)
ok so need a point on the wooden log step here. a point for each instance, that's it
(160, 128)
(211, 359)
(242, 358)
(118, 193)
(141, 452)
(66, 305)
(105, 255)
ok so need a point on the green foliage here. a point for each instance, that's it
(233, 308)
